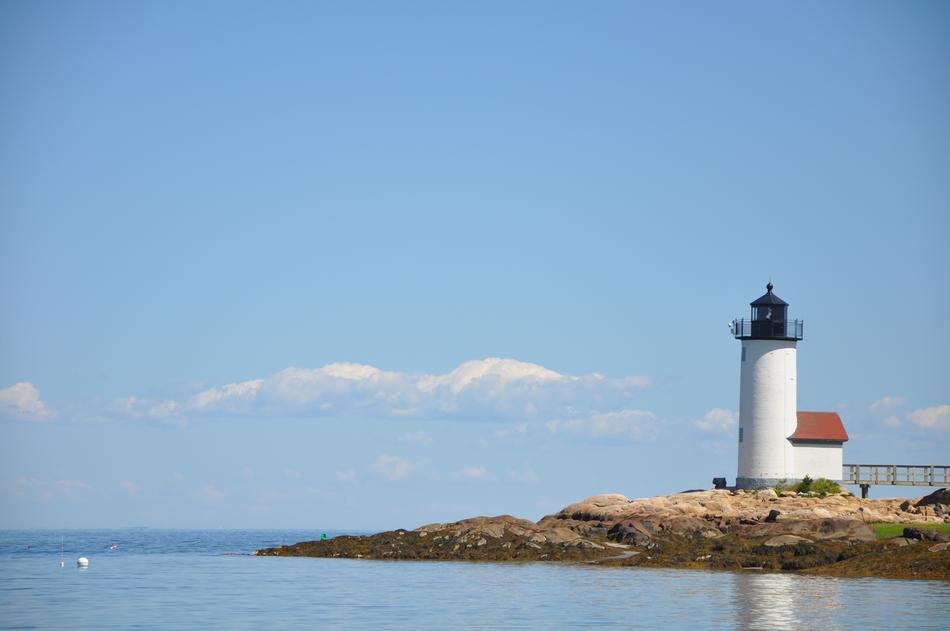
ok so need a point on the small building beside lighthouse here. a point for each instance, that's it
(777, 443)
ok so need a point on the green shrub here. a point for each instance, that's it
(820, 487)
(825, 487)
(805, 485)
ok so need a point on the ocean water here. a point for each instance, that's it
(188, 579)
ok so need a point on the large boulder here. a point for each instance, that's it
(493, 527)
(816, 529)
(923, 534)
(636, 532)
(605, 507)
(785, 540)
(938, 502)
(940, 496)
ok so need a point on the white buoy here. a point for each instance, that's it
(82, 562)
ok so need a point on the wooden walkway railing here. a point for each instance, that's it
(865, 475)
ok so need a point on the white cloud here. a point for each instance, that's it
(892, 421)
(937, 417)
(294, 474)
(485, 389)
(417, 438)
(211, 493)
(22, 401)
(146, 409)
(524, 474)
(46, 490)
(519, 429)
(346, 475)
(71, 488)
(130, 487)
(231, 395)
(625, 424)
(25, 485)
(717, 420)
(392, 467)
(472, 472)
(886, 403)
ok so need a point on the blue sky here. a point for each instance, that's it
(367, 265)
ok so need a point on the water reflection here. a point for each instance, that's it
(783, 601)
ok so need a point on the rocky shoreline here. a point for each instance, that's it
(714, 529)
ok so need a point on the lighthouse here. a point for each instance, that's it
(777, 443)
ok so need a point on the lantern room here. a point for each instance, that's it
(769, 320)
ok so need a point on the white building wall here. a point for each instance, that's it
(819, 460)
(767, 409)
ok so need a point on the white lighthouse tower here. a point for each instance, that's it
(767, 393)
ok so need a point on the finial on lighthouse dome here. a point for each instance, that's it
(769, 287)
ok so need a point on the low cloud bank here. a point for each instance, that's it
(485, 389)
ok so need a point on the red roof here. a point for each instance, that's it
(819, 426)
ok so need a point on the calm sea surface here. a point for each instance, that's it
(189, 579)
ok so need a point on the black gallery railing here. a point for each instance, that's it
(783, 330)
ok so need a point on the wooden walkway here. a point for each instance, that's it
(864, 475)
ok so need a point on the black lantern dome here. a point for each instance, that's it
(769, 320)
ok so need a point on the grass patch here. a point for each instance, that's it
(884, 530)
